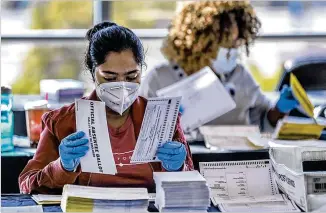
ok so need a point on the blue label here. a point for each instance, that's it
(4, 117)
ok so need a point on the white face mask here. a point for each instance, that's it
(118, 96)
(224, 64)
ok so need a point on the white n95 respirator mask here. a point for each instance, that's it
(226, 60)
(118, 96)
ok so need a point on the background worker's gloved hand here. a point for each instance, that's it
(287, 101)
(71, 149)
(172, 154)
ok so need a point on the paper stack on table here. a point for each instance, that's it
(91, 199)
(181, 192)
(298, 128)
(44, 199)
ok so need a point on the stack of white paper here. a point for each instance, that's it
(92, 199)
(44, 199)
(181, 192)
(297, 128)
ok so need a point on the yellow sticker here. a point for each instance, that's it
(301, 95)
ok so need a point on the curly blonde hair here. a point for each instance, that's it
(199, 29)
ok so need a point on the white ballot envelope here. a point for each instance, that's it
(233, 181)
(204, 98)
(91, 119)
(157, 128)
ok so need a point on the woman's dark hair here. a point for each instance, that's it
(109, 37)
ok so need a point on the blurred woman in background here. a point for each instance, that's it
(212, 33)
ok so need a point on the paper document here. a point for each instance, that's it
(91, 119)
(229, 137)
(300, 94)
(37, 208)
(76, 198)
(298, 128)
(231, 181)
(204, 98)
(157, 128)
(290, 183)
(295, 154)
(44, 199)
(281, 205)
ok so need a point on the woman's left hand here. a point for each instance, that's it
(172, 154)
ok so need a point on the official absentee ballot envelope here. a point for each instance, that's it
(91, 119)
(204, 98)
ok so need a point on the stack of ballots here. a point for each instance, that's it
(93, 199)
(299, 170)
(181, 192)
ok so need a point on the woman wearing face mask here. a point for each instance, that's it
(210, 33)
(115, 58)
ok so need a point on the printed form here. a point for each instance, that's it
(244, 186)
(157, 128)
(91, 119)
(232, 180)
(204, 98)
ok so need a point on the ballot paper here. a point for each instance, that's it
(204, 98)
(157, 128)
(233, 181)
(91, 119)
(45, 199)
(300, 94)
(282, 204)
(233, 137)
(298, 128)
(76, 198)
(37, 208)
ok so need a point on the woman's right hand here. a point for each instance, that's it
(71, 149)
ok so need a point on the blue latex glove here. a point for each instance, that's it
(323, 136)
(172, 154)
(287, 101)
(71, 149)
(181, 109)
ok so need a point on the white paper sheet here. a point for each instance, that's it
(46, 199)
(157, 128)
(231, 181)
(152, 197)
(91, 118)
(204, 98)
(229, 137)
(281, 205)
(37, 208)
